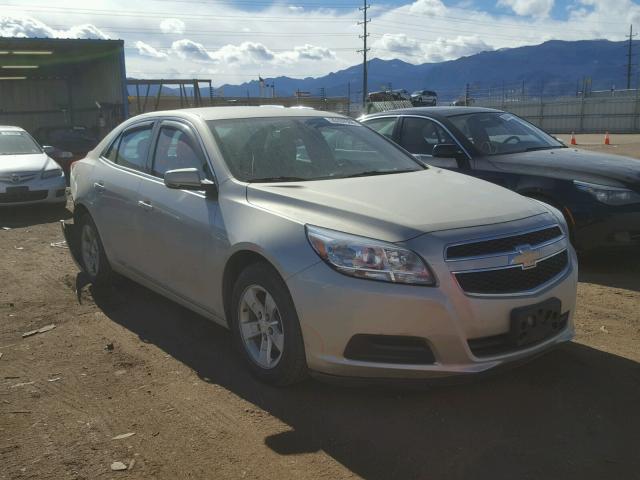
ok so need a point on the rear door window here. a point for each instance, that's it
(133, 148)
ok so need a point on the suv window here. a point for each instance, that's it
(133, 148)
(420, 135)
(176, 149)
(384, 126)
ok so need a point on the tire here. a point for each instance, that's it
(92, 257)
(267, 334)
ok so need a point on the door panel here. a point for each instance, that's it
(116, 194)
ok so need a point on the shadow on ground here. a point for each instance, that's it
(27, 216)
(570, 414)
(613, 268)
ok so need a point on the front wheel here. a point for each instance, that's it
(265, 327)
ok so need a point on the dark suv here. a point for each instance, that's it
(599, 194)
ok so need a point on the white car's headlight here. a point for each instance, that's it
(609, 195)
(371, 259)
(54, 172)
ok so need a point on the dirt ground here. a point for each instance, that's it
(125, 360)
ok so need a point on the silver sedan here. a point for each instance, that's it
(324, 247)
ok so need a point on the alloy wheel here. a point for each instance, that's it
(261, 327)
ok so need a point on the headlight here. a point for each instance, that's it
(371, 259)
(609, 195)
(55, 172)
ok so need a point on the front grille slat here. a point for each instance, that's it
(504, 244)
(513, 279)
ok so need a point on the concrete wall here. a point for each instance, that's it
(588, 115)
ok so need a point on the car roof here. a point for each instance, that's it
(434, 111)
(10, 128)
(222, 113)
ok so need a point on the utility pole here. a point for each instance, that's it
(466, 95)
(365, 8)
(630, 56)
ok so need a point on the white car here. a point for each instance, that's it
(27, 174)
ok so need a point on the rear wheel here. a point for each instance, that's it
(266, 328)
(94, 260)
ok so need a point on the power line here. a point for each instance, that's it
(365, 8)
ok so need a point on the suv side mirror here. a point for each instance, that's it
(446, 150)
(188, 179)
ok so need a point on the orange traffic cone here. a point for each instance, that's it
(606, 139)
(573, 139)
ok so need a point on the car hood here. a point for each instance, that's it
(394, 207)
(26, 163)
(573, 164)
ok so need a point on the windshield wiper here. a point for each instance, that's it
(371, 173)
(277, 179)
(533, 149)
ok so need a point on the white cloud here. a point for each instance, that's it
(190, 50)
(86, 31)
(146, 50)
(245, 53)
(427, 7)
(535, 8)
(308, 52)
(24, 26)
(172, 25)
(443, 48)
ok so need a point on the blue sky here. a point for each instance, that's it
(236, 40)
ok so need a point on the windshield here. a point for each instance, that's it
(302, 148)
(495, 133)
(13, 142)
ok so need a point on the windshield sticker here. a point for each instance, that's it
(506, 116)
(343, 121)
(11, 133)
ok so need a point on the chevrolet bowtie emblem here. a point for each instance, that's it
(525, 256)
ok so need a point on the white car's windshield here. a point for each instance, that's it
(13, 142)
(303, 148)
(496, 133)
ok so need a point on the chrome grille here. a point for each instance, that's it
(17, 178)
(503, 244)
(513, 279)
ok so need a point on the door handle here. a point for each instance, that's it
(99, 187)
(145, 205)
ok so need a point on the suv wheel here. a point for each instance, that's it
(265, 326)
(94, 260)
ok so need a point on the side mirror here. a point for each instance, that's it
(188, 179)
(446, 150)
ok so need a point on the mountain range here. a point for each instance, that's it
(554, 68)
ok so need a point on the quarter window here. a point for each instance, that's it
(420, 135)
(177, 149)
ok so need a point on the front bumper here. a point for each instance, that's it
(619, 229)
(46, 191)
(333, 308)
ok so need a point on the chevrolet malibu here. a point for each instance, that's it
(27, 174)
(324, 247)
